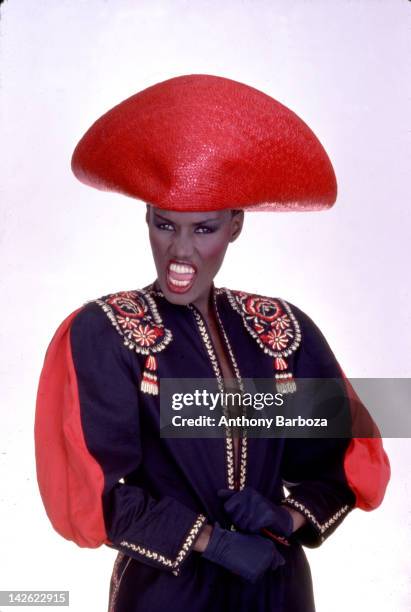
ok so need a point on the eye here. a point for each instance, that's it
(203, 229)
(167, 227)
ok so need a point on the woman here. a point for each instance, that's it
(199, 523)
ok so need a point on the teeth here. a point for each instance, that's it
(181, 268)
(179, 283)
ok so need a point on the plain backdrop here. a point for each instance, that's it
(344, 68)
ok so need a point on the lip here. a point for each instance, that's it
(180, 280)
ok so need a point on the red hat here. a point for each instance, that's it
(202, 142)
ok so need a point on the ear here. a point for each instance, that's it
(236, 224)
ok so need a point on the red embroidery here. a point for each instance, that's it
(135, 316)
(136, 320)
(271, 322)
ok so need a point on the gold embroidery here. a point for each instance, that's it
(166, 561)
(208, 345)
(145, 335)
(189, 541)
(117, 580)
(243, 460)
(243, 440)
(153, 291)
(229, 447)
(321, 527)
(148, 553)
(287, 343)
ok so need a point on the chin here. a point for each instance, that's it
(175, 297)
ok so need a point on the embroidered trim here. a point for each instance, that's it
(190, 539)
(269, 321)
(243, 459)
(150, 554)
(208, 345)
(243, 440)
(228, 345)
(321, 527)
(157, 292)
(273, 325)
(219, 290)
(229, 446)
(117, 580)
(135, 317)
(182, 553)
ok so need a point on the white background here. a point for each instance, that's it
(344, 68)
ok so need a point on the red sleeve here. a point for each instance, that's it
(366, 464)
(326, 477)
(71, 481)
(87, 438)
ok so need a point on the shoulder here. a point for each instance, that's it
(99, 331)
(275, 316)
(129, 316)
(265, 308)
(282, 330)
(103, 319)
(110, 308)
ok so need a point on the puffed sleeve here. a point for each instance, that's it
(87, 441)
(328, 477)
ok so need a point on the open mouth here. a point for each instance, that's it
(180, 276)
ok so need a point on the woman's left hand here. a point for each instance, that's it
(250, 512)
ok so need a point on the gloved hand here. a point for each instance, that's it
(249, 556)
(250, 512)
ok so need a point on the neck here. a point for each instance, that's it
(205, 303)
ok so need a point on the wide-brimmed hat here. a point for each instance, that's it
(202, 142)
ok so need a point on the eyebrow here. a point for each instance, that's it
(157, 215)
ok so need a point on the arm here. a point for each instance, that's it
(299, 519)
(203, 539)
(327, 478)
(87, 440)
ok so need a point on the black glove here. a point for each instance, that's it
(250, 511)
(249, 556)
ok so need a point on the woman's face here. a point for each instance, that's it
(188, 250)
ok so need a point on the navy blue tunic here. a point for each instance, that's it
(157, 493)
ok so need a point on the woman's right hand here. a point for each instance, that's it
(248, 556)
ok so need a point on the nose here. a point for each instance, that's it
(182, 247)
